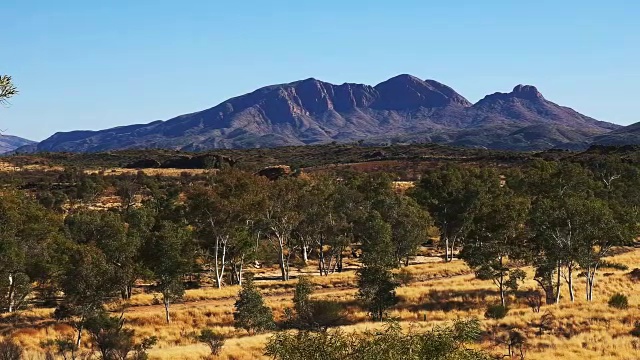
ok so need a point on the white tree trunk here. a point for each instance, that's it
(11, 294)
(558, 283)
(80, 328)
(219, 263)
(166, 310)
(570, 283)
(446, 249)
(284, 260)
(590, 275)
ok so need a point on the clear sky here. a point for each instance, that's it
(94, 64)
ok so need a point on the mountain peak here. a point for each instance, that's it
(405, 78)
(311, 111)
(406, 92)
(529, 92)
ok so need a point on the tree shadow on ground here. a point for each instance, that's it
(451, 300)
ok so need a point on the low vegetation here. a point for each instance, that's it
(329, 264)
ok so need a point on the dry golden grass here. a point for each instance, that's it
(440, 293)
(9, 167)
(148, 171)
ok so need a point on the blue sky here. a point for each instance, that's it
(91, 65)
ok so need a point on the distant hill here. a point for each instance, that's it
(10, 143)
(401, 109)
(628, 135)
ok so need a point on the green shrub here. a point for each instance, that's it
(250, 312)
(441, 343)
(325, 314)
(496, 311)
(619, 301)
(212, 339)
(636, 330)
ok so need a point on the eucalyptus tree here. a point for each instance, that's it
(108, 232)
(496, 239)
(376, 284)
(281, 218)
(408, 221)
(328, 214)
(27, 234)
(88, 281)
(572, 225)
(223, 213)
(449, 194)
(169, 256)
(7, 89)
(409, 226)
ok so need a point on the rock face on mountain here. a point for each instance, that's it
(403, 108)
(9, 143)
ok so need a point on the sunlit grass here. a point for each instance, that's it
(438, 294)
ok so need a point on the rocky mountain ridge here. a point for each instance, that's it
(401, 109)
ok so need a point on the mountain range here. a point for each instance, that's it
(402, 109)
(9, 143)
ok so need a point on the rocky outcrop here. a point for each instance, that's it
(143, 164)
(205, 161)
(275, 172)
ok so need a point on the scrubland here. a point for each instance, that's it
(440, 292)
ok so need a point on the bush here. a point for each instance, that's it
(619, 301)
(496, 311)
(325, 314)
(390, 344)
(377, 290)
(9, 350)
(113, 341)
(212, 339)
(63, 347)
(301, 301)
(636, 329)
(250, 312)
(310, 314)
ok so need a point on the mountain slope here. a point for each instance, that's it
(628, 135)
(310, 111)
(10, 143)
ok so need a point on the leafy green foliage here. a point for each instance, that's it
(251, 314)
(213, 340)
(28, 233)
(449, 195)
(311, 314)
(302, 301)
(377, 290)
(377, 246)
(619, 301)
(496, 311)
(441, 343)
(109, 337)
(169, 255)
(495, 234)
(7, 89)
